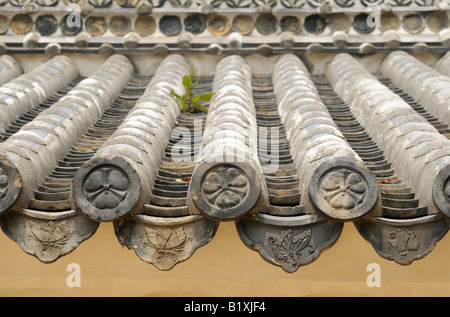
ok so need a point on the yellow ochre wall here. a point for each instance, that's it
(224, 267)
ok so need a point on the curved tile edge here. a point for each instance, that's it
(289, 242)
(165, 242)
(403, 240)
(45, 235)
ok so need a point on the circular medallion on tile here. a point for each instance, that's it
(21, 23)
(4, 24)
(413, 23)
(343, 189)
(107, 189)
(290, 24)
(315, 24)
(266, 24)
(225, 191)
(46, 24)
(339, 22)
(243, 24)
(10, 184)
(71, 25)
(96, 25)
(120, 25)
(437, 21)
(170, 25)
(441, 191)
(360, 24)
(218, 25)
(195, 23)
(389, 21)
(145, 25)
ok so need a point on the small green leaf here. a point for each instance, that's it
(187, 81)
(201, 107)
(176, 95)
(206, 96)
(192, 71)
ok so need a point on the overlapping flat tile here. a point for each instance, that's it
(30, 89)
(9, 69)
(429, 87)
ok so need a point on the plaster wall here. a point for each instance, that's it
(225, 267)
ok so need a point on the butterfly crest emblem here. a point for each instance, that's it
(169, 245)
(288, 247)
(50, 235)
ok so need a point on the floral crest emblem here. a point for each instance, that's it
(106, 187)
(343, 189)
(225, 187)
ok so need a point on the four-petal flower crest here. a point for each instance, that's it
(225, 187)
(343, 189)
(106, 187)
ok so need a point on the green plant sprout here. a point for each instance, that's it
(190, 102)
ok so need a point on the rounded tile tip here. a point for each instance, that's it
(107, 188)
(441, 191)
(224, 191)
(343, 189)
(10, 185)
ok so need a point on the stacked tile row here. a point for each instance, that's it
(9, 69)
(333, 177)
(443, 65)
(33, 152)
(20, 94)
(418, 152)
(425, 84)
(227, 181)
(132, 155)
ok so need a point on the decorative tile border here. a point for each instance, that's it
(265, 24)
(233, 4)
